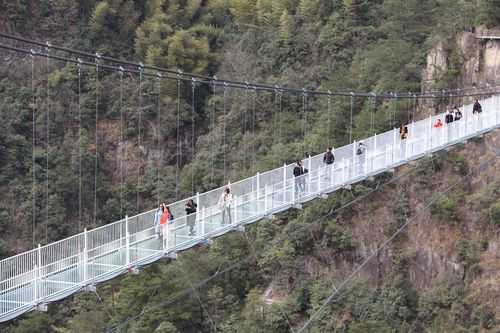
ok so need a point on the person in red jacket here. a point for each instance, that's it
(167, 217)
(438, 123)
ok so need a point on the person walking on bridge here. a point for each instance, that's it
(448, 118)
(166, 218)
(158, 214)
(438, 123)
(225, 202)
(360, 153)
(403, 132)
(328, 160)
(191, 215)
(458, 113)
(299, 174)
(477, 108)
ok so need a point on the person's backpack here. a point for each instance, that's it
(329, 158)
(359, 151)
(297, 171)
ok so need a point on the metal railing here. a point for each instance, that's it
(57, 270)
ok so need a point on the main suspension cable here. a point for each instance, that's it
(184, 76)
(260, 87)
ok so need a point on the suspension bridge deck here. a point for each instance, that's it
(59, 269)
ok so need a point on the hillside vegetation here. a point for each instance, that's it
(349, 45)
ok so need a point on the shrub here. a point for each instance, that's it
(446, 209)
(494, 213)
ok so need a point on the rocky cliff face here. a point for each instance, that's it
(432, 242)
(474, 58)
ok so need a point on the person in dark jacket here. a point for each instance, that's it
(477, 108)
(190, 208)
(448, 118)
(300, 180)
(403, 132)
(328, 160)
(360, 153)
(458, 114)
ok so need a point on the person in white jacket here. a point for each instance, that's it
(225, 202)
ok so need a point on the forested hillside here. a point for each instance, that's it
(349, 45)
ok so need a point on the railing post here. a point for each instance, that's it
(343, 173)
(309, 173)
(496, 109)
(203, 213)
(406, 148)
(464, 119)
(332, 174)
(38, 272)
(284, 182)
(235, 210)
(429, 135)
(39, 275)
(325, 169)
(35, 284)
(85, 255)
(394, 145)
(365, 166)
(197, 213)
(166, 235)
(127, 242)
(197, 199)
(265, 199)
(354, 152)
(258, 186)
